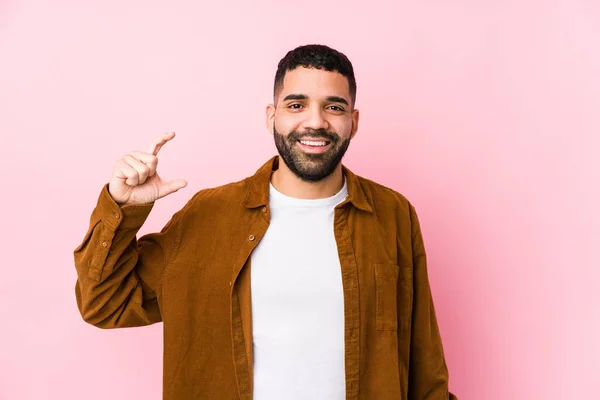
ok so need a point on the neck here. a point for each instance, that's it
(286, 182)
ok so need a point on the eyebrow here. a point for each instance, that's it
(299, 96)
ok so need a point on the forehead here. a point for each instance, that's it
(315, 83)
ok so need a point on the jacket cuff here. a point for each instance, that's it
(113, 215)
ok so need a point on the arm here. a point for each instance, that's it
(428, 373)
(118, 277)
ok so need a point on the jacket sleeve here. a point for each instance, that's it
(118, 277)
(428, 373)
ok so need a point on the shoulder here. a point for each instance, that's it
(226, 195)
(391, 206)
(383, 197)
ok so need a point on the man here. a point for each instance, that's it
(303, 281)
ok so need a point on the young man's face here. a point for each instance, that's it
(312, 121)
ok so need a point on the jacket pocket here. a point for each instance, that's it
(386, 285)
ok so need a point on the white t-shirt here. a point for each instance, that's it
(298, 302)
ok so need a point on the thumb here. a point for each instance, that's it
(171, 187)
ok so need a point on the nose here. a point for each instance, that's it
(315, 119)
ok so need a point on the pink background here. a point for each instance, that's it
(485, 114)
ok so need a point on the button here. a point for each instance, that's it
(264, 209)
(229, 283)
(251, 237)
(104, 244)
(117, 216)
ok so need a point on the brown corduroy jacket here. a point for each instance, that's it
(194, 276)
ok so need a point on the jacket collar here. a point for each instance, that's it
(257, 194)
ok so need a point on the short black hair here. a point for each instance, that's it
(315, 56)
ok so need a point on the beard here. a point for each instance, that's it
(310, 167)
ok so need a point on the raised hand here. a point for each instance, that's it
(135, 180)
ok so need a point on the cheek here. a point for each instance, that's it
(286, 124)
(343, 128)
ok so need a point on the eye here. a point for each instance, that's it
(336, 108)
(295, 106)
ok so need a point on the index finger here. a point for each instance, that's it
(159, 141)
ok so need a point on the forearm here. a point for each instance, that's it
(428, 373)
(110, 292)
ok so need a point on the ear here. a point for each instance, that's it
(270, 118)
(355, 115)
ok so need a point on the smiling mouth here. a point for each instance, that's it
(314, 143)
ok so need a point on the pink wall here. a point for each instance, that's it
(485, 114)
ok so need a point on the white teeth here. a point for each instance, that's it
(311, 143)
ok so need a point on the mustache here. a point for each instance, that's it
(312, 133)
